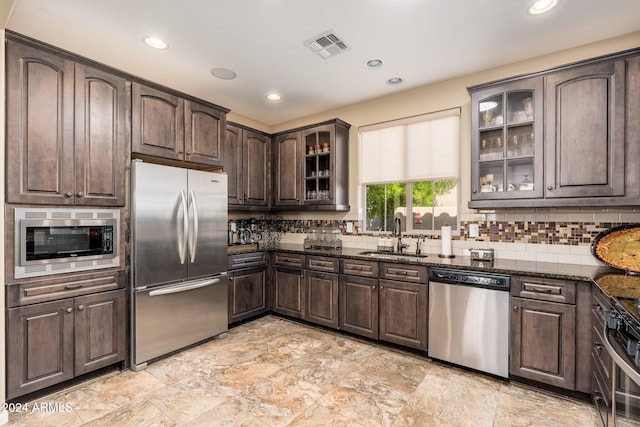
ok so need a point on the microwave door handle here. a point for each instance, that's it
(182, 250)
(193, 244)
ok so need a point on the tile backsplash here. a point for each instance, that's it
(527, 240)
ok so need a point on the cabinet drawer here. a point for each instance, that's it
(289, 260)
(404, 272)
(542, 289)
(357, 267)
(53, 288)
(255, 259)
(322, 263)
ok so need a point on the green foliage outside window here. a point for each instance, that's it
(384, 201)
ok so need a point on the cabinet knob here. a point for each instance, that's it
(597, 345)
(373, 287)
(81, 307)
(550, 187)
(68, 194)
(69, 309)
(515, 308)
(188, 152)
(80, 194)
(475, 191)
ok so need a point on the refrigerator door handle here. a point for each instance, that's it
(182, 250)
(193, 232)
(183, 288)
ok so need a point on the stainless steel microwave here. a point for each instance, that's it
(59, 240)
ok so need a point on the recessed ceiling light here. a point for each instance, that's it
(223, 73)
(155, 43)
(374, 63)
(542, 6)
(394, 81)
(273, 97)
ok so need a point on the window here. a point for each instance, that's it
(409, 168)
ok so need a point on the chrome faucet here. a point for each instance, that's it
(397, 231)
(421, 239)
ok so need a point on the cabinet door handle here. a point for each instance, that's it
(68, 194)
(541, 291)
(515, 308)
(81, 307)
(69, 309)
(72, 286)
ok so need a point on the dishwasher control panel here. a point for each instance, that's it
(470, 278)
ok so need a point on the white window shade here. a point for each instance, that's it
(417, 148)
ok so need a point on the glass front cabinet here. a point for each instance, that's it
(319, 179)
(506, 141)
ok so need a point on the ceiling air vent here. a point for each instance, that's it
(327, 44)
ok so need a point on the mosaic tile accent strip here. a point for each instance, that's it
(551, 233)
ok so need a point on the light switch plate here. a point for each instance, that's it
(349, 227)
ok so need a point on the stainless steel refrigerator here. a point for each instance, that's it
(178, 259)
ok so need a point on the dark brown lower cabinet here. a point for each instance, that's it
(51, 342)
(289, 291)
(543, 342)
(403, 313)
(322, 298)
(247, 293)
(359, 305)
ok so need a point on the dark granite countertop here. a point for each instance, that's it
(499, 266)
(621, 286)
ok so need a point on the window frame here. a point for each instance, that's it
(408, 181)
(408, 225)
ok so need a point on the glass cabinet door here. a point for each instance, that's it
(506, 141)
(319, 177)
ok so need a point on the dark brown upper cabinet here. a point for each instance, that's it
(583, 148)
(311, 167)
(584, 135)
(66, 130)
(167, 126)
(246, 155)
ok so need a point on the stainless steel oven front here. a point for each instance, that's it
(59, 240)
(621, 336)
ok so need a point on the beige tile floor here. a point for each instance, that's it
(273, 372)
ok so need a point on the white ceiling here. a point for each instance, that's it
(421, 41)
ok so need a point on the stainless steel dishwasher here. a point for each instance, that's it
(469, 319)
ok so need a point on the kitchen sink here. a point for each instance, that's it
(396, 256)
